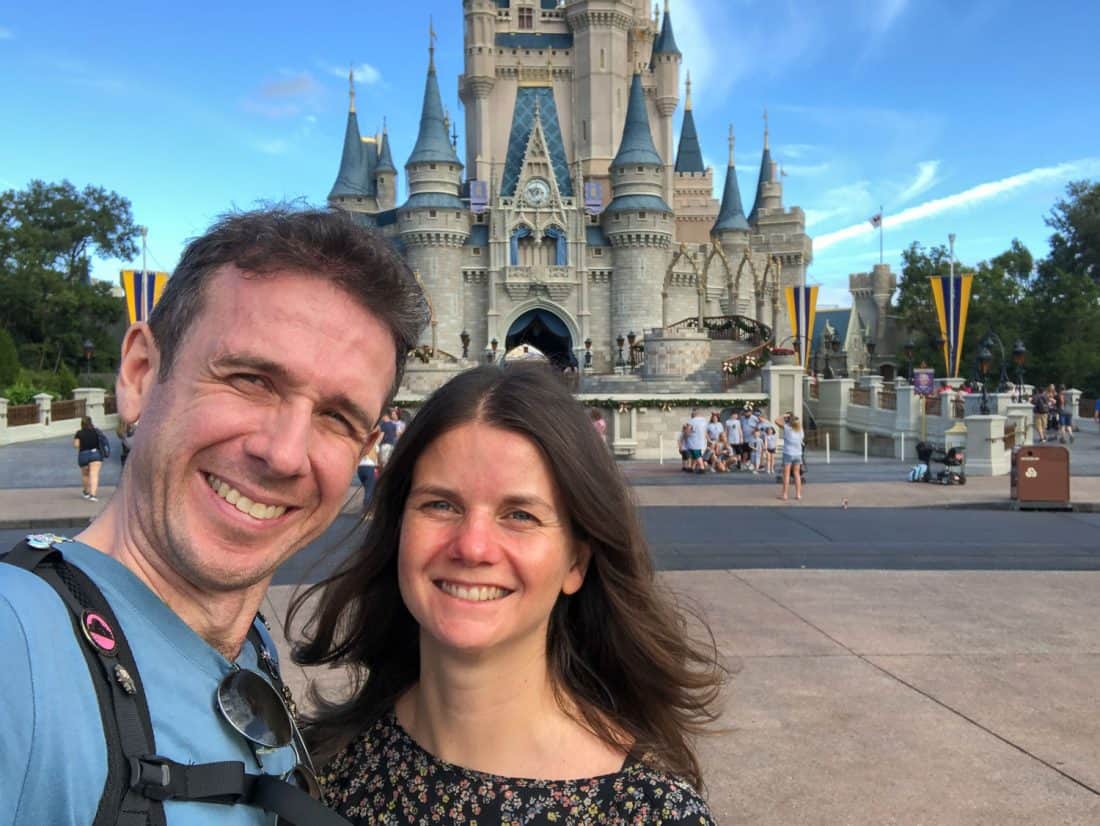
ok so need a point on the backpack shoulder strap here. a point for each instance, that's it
(127, 727)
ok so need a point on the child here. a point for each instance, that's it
(757, 445)
(681, 444)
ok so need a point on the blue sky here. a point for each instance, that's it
(965, 117)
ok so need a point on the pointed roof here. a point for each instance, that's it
(385, 157)
(666, 40)
(351, 180)
(689, 156)
(535, 104)
(732, 215)
(637, 144)
(767, 168)
(433, 144)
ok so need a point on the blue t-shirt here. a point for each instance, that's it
(53, 761)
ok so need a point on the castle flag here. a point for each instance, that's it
(876, 220)
(802, 307)
(143, 289)
(953, 299)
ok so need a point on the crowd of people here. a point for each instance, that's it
(1053, 414)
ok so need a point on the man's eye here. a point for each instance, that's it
(252, 379)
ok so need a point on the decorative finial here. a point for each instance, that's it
(731, 144)
(385, 129)
(666, 6)
(656, 11)
(687, 98)
(431, 43)
(765, 127)
(351, 87)
(446, 120)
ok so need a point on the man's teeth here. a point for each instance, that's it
(479, 593)
(257, 510)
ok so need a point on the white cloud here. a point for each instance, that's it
(806, 170)
(364, 73)
(882, 14)
(966, 198)
(925, 180)
(274, 146)
(6, 33)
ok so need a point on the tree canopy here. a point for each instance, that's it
(1052, 305)
(49, 234)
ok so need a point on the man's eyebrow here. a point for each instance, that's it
(280, 373)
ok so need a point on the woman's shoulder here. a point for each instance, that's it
(653, 796)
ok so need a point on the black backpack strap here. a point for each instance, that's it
(127, 727)
(139, 780)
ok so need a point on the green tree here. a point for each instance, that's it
(9, 359)
(1075, 244)
(49, 234)
(915, 304)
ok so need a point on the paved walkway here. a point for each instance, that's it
(865, 696)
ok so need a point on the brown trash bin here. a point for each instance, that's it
(1040, 477)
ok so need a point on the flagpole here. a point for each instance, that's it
(951, 311)
(881, 222)
(144, 236)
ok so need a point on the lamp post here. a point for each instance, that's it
(588, 354)
(89, 354)
(951, 333)
(1019, 356)
(631, 337)
(464, 337)
(984, 359)
(619, 340)
(910, 346)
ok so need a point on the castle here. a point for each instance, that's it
(574, 219)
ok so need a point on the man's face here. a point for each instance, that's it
(246, 451)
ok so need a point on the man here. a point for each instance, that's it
(697, 441)
(258, 381)
(390, 428)
(735, 437)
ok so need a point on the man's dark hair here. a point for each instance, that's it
(327, 243)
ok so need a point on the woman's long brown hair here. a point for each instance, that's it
(619, 650)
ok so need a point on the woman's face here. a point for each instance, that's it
(485, 546)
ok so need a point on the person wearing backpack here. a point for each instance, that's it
(1039, 410)
(141, 687)
(89, 444)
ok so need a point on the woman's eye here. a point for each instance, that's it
(438, 505)
(522, 516)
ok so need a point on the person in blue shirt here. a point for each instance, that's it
(258, 381)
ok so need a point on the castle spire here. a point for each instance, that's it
(431, 45)
(765, 128)
(385, 156)
(351, 180)
(637, 143)
(351, 88)
(766, 178)
(732, 215)
(666, 40)
(433, 145)
(689, 156)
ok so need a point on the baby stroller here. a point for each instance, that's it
(952, 461)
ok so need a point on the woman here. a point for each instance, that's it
(793, 441)
(367, 472)
(125, 433)
(599, 423)
(516, 657)
(88, 457)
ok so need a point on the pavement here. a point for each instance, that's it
(900, 653)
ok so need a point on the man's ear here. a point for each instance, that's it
(574, 578)
(370, 442)
(138, 371)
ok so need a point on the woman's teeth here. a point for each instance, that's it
(478, 593)
(257, 510)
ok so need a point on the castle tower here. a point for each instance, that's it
(665, 65)
(692, 184)
(434, 223)
(731, 231)
(638, 223)
(769, 191)
(476, 85)
(353, 180)
(385, 175)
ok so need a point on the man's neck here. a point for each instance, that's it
(222, 618)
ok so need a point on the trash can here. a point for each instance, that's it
(1040, 477)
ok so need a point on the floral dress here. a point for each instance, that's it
(384, 777)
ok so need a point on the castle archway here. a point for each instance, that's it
(545, 330)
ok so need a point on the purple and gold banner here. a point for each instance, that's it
(953, 299)
(143, 291)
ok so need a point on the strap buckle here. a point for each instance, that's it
(152, 776)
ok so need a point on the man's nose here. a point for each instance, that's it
(282, 440)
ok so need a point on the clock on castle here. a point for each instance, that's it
(587, 222)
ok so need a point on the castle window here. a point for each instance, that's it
(602, 59)
(526, 17)
(431, 166)
(431, 213)
(584, 130)
(598, 251)
(641, 215)
(477, 251)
